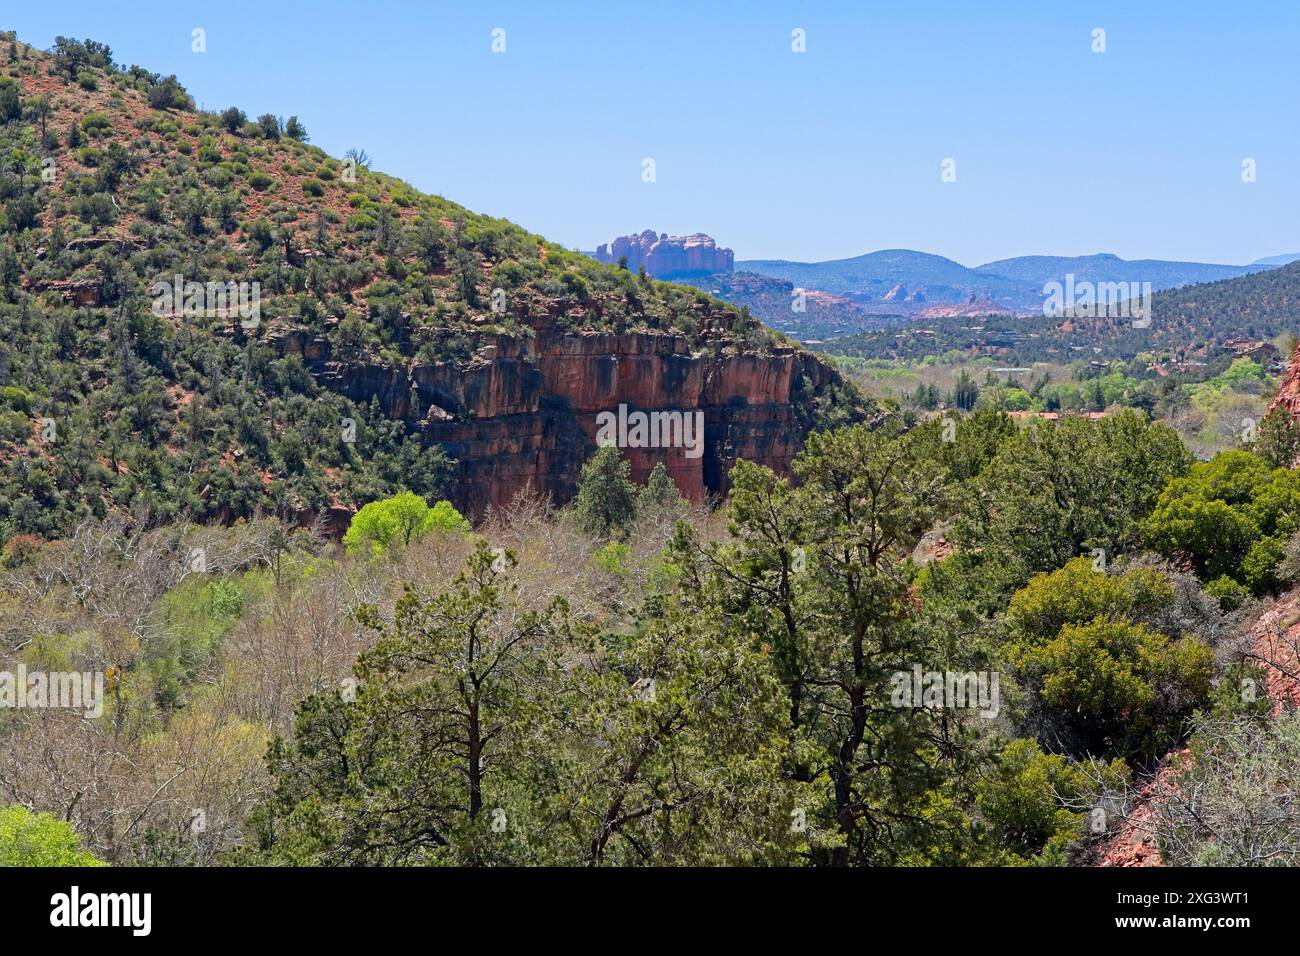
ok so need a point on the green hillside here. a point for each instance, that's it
(111, 181)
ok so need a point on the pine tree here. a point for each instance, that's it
(606, 500)
(659, 493)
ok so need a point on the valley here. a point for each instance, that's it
(374, 531)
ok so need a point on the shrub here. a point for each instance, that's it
(39, 839)
(95, 123)
(1231, 517)
(1030, 803)
(168, 94)
(1115, 687)
(269, 126)
(233, 119)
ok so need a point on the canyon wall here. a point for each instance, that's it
(524, 411)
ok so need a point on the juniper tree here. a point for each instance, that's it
(606, 499)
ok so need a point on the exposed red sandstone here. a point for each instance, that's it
(524, 410)
(665, 255)
(1288, 395)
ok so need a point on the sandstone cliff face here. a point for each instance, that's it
(665, 255)
(525, 411)
(1288, 395)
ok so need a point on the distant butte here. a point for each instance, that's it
(664, 255)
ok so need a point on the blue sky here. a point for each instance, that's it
(817, 155)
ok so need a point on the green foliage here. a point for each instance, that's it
(1278, 438)
(815, 576)
(10, 100)
(1230, 516)
(482, 735)
(294, 129)
(399, 520)
(659, 493)
(168, 94)
(1054, 491)
(1100, 678)
(1119, 688)
(1032, 803)
(39, 839)
(1241, 691)
(233, 119)
(1227, 592)
(1078, 594)
(198, 614)
(606, 499)
(269, 126)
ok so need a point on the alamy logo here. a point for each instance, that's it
(103, 909)
(1102, 300)
(53, 690)
(214, 300)
(626, 429)
(954, 690)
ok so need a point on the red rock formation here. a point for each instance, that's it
(1288, 395)
(524, 410)
(665, 255)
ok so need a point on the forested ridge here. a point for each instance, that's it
(112, 396)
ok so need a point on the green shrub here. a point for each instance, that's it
(40, 839)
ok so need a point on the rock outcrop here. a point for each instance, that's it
(664, 255)
(1288, 394)
(523, 412)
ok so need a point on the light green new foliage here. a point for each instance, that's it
(39, 839)
(399, 520)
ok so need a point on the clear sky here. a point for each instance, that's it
(817, 155)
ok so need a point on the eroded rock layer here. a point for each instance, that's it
(525, 410)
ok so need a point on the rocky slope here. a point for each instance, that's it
(1272, 642)
(1288, 393)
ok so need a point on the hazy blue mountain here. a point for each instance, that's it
(1106, 267)
(904, 281)
(894, 279)
(1277, 260)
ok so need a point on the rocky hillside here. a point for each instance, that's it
(202, 315)
(809, 316)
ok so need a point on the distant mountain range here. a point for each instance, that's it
(819, 300)
(906, 282)
(1278, 260)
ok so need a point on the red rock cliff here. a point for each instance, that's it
(524, 410)
(1288, 394)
